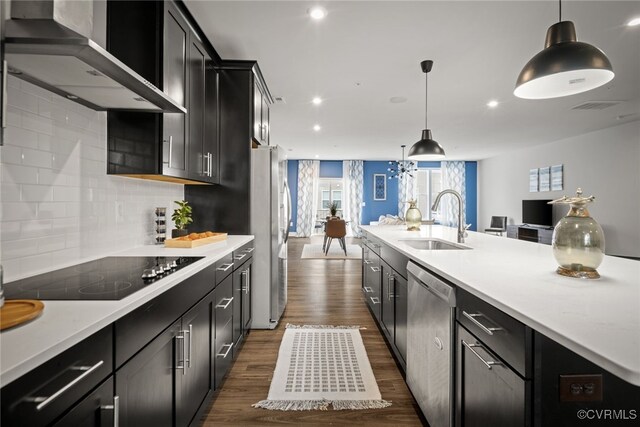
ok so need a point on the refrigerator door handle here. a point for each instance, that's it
(286, 233)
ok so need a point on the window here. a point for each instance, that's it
(429, 182)
(330, 191)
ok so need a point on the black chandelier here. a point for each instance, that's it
(400, 168)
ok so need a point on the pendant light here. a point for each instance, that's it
(426, 148)
(564, 67)
(400, 168)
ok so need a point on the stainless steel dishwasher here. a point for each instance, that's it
(431, 344)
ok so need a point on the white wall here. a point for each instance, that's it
(605, 163)
(58, 203)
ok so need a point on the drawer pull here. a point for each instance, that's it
(226, 353)
(182, 365)
(239, 257)
(44, 401)
(367, 289)
(375, 300)
(115, 408)
(475, 321)
(367, 262)
(224, 306)
(489, 364)
(224, 267)
(249, 250)
(190, 332)
(375, 269)
(247, 281)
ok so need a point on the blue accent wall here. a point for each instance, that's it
(372, 209)
(292, 180)
(330, 169)
(471, 190)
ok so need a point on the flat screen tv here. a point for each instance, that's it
(537, 212)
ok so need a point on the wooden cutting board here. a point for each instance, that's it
(17, 311)
(177, 243)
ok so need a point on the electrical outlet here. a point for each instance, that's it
(119, 212)
(581, 388)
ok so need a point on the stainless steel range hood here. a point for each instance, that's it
(47, 42)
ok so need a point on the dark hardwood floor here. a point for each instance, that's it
(320, 292)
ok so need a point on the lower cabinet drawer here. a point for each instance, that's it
(223, 301)
(223, 350)
(512, 339)
(41, 396)
(96, 410)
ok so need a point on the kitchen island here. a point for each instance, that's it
(195, 319)
(597, 319)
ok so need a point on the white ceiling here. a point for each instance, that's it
(365, 52)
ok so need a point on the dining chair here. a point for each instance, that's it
(498, 225)
(336, 229)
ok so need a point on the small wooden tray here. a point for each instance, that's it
(17, 311)
(176, 243)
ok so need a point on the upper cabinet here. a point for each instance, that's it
(261, 101)
(157, 40)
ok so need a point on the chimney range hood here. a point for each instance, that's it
(45, 44)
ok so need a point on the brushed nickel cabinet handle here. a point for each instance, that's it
(475, 321)
(224, 306)
(488, 363)
(115, 408)
(4, 95)
(190, 332)
(367, 289)
(182, 365)
(375, 269)
(44, 401)
(239, 257)
(224, 267)
(375, 300)
(226, 353)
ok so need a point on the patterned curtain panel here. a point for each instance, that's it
(308, 176)
(453, 178)
(407, 190)
(353, 177)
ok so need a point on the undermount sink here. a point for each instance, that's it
(432, 244)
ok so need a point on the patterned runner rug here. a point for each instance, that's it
(320, 365)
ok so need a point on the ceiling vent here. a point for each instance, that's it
(279, 100)
(595, 105)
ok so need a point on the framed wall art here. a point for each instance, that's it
(379, 186)
(544, 178)
(556, 178)
(533, 180)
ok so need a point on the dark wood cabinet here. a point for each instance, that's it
(98, 409)
(489, 392)
(222, 337)
(241, 301)
(401, 309)
(238, 133)
(158, 40)
(371, 280)
(196, 377)
(145, 384)
(261, 101)
(246, 276)
(388, 301)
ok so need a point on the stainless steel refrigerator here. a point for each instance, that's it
(270, 219)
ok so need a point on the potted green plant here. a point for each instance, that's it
(333, 208)
(181, 218)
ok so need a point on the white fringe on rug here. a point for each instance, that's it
(322, 405)
(290, 326)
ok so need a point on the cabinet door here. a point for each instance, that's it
(196, 329)
(145, 384)
(222, 348)
(265, 121)
(211, 120)
(372, 283)
(198, 160)
(401, 309)
(176, 49)
(95, 410)
(257, 113)
(489, 393)
(388, 301)
(246, 296)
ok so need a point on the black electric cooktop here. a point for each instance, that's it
(110, 278)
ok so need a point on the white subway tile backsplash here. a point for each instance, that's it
(58, 203)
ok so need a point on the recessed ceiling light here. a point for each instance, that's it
(317, 128)
(634, 22)
(492, 104)
(317, 13)
(317, 155)
(317, 100)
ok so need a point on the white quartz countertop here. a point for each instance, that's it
(597, 319)
(65, 323)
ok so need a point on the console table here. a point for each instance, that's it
(530, 233)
